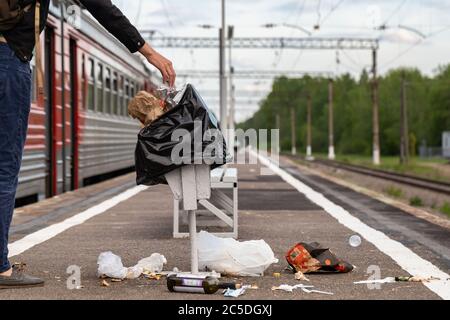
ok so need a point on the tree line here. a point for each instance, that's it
(427, 100)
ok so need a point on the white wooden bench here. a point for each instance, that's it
(192, 185)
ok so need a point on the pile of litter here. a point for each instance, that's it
(231, 257)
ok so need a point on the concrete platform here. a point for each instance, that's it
(270, 209)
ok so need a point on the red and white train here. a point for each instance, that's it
(92, 134)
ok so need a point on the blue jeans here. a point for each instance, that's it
(15, 101)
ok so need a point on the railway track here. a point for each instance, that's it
(427, 184)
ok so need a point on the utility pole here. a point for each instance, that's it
(404, 134)
(331, 154)
(278, 126)
(223, 79)
(293, 132)
(231, 115)
(375, 111)
(309, 129)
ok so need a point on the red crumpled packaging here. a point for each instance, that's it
(313, 257)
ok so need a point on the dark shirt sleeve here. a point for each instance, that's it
(110, 17)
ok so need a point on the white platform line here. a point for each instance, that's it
(38, 237)
(403, 256)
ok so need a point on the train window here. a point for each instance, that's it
(121, 97)
(127, 94)
(108, 90)
(91, 82)
(83, 80)
(115, 89)
(99, 92)
(132, 90)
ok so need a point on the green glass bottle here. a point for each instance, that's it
(192, 284)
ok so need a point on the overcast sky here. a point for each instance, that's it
(399, 47)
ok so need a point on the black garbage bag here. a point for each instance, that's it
(189, 133)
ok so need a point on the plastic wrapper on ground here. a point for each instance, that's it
(231, 257)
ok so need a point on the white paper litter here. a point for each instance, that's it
(234, 293)
(304, 288)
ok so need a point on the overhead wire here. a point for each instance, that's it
(401, 54)
(175, 12)
(319, 15)
(351, 59)
(394, 12)
(166, 13)
(333, 9)
(413, 46)
(299, 14)
(298, 10)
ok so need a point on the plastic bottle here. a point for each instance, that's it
(192, 284)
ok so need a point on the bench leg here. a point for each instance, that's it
(176, 218)
(235, 212)
(193, 239)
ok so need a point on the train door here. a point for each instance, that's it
(64, 118)
(74, 115)
(51, 142)
(61, 105)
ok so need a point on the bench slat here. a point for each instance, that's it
(203, 181)
(217, 174)
(230, 175)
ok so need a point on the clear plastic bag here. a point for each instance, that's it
(110, 265)
(231, 257)
(153, 264)
(168, 94)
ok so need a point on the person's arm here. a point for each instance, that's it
(164, 66)
(113, 20)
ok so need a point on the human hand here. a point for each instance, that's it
(164, 65)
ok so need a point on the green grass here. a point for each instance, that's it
(416, 202)
(445, 209)
(393, 191)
